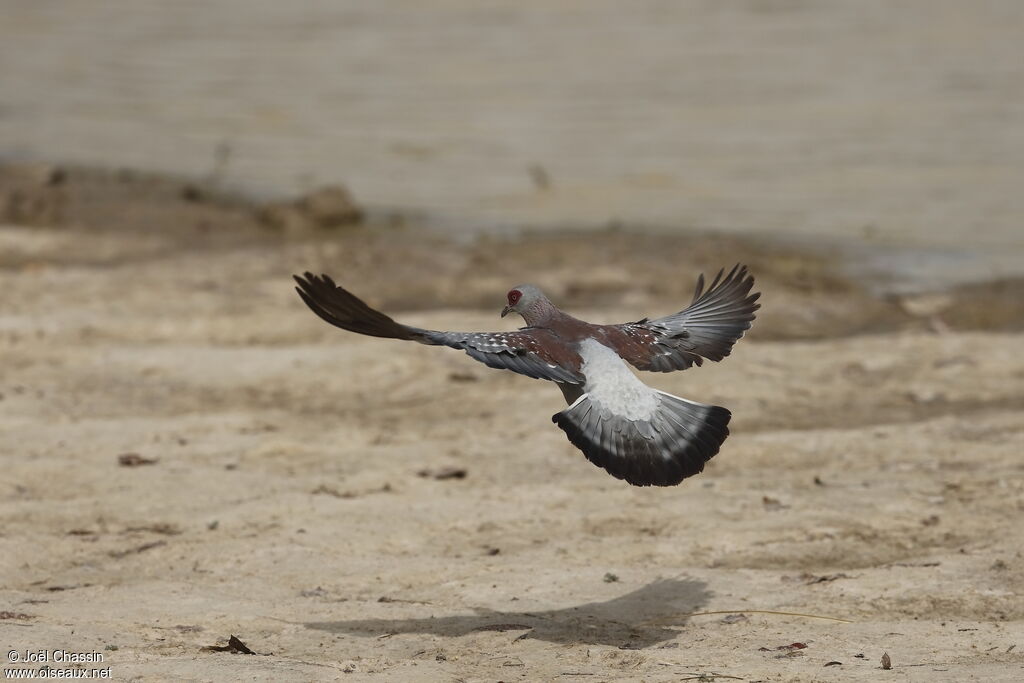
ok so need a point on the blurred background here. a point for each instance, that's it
(202, 456)
(869, 122)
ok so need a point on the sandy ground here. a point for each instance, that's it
(873, 474)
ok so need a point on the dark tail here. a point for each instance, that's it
(672, 444)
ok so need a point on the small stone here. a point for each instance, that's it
(283, 217)
(925, 305)
(330, 207)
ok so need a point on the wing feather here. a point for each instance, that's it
(707, 328)
(533, 352)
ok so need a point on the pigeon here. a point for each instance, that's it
(636, 433)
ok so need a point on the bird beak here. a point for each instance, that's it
(505, 311)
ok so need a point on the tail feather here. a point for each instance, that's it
(672, 444)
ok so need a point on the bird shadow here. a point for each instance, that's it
(637, 620)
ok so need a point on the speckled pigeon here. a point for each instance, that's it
(636, 433)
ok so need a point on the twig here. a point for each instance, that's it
(765, 611)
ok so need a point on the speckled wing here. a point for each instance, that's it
(707, 328)
(533, 352)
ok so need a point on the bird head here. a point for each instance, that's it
(521, 299)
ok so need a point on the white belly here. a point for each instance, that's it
(613, 386)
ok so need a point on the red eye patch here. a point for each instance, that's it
(514, 296)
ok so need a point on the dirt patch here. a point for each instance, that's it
(610, 268)
(875, 443)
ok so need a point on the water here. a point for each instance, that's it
(878, 123)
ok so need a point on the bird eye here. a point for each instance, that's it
(513, 297)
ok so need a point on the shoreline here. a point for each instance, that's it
(625, 260)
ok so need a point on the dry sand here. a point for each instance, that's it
(873, 474)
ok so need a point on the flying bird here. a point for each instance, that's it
(644, 436)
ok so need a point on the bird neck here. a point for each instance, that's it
(540, 313)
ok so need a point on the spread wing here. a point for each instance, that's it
(533, 352)
(707, 328)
